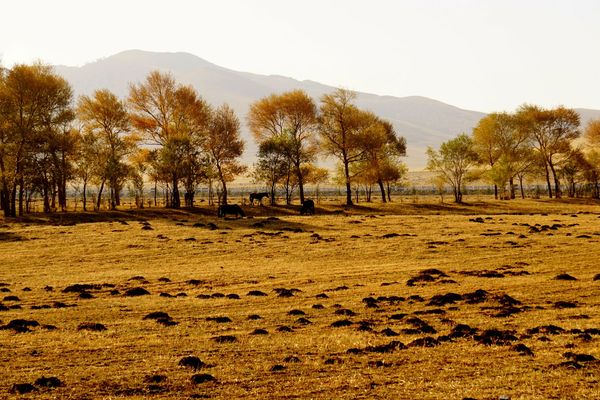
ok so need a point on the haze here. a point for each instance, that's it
(481, 55)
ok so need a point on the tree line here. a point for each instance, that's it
(533, 142)
(164, 134)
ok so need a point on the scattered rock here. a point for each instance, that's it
(137, 291)
(565, 304)
(278, 368)
(426, 341)
(91, 326)
(219, 320)
(444, 299)
(386, 348)
(522, 350)
(345, 311)
(198, 379)
(23, 388)
(284, 328)
(156, 378)
(50, 382)
(388, 332)
(256, 293)
(565, 277)
(192, 362)
(225, 339)
(495, 337)
(259, 331)
(341, 323)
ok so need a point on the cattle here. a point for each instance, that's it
(308, 207)
(231, 209)
(258, 196)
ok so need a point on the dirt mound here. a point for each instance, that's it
(91, 326)
(192, 362)
(137, 291)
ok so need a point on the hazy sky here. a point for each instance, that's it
(475, 54)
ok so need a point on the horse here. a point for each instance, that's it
(258, 196)
(308, 207)
(232, 209)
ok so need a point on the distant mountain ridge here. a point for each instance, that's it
(422, 121)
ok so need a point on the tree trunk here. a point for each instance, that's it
(84, 195)
(557, 191)
(495, 191)
(300, 184)
(511, 182)
(521, 187)
(348, 187)
(224, 191)
(21, 192)
(117, 195)
(176, 203)
(273, 194)
(548, 181)
(100, 195)
(382, 188)
(13, 201)
(155, 192)
(46, 197)
(389, 196)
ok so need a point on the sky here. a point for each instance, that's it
(475, 54)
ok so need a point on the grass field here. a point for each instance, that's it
(411, 300)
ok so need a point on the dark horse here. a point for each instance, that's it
(308, 207)
(258, 196)
(232, 209)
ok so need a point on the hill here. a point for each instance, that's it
(422, 121)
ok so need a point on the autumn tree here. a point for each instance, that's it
(552, 132)
(173, 118)
(225, 146)
(139, 162)
(271, 167)
(87, 161)
(291, 119)
(341, 123)
(452, 162)
(592, 133)
(35, 106)
(382, 151)
(105, 118)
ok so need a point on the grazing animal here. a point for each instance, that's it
(232, 209)
(308, 207)
(258, 196)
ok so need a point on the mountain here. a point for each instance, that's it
(422, 121)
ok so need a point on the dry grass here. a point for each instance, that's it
(344, 256)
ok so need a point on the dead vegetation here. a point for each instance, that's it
(415, 306)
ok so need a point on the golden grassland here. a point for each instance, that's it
(352, 265)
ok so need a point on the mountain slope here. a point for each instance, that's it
(422, 121)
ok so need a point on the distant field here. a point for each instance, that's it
(410, 300)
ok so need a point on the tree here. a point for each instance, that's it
(291, 117)
(140, 163)
(341, 125)
(225, 146)
(452, 162)
(104, 117)
(552, 132)
(87, 163)
(34, 109)
(316, 176)
(173, 118)
(382, 150)
(271, 167)
(592, 133)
